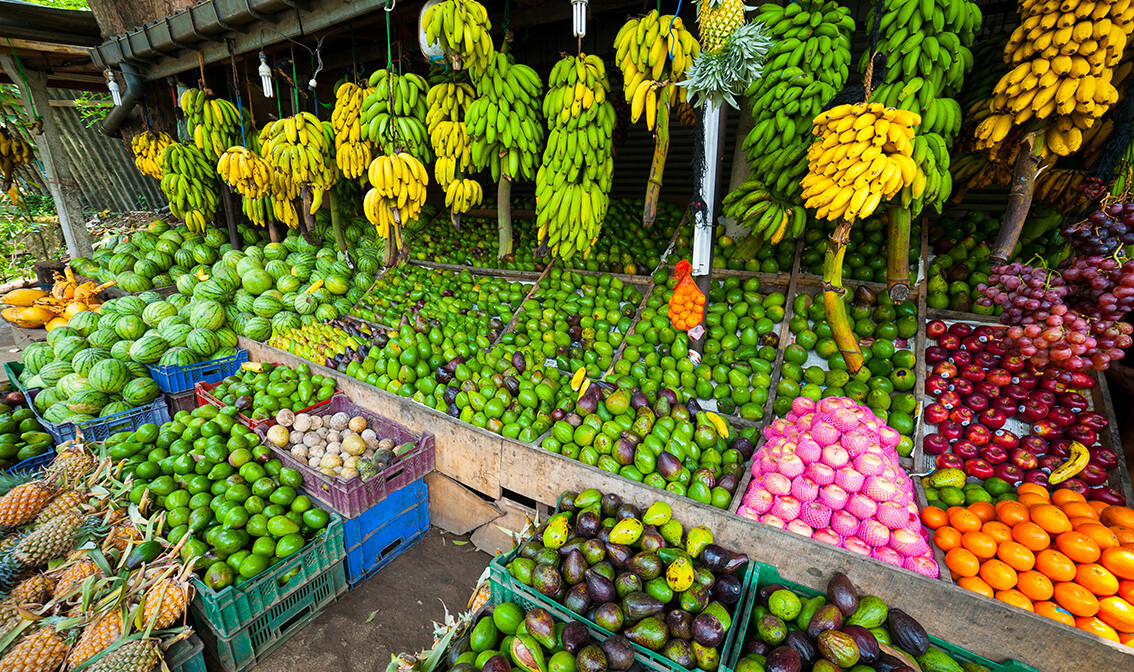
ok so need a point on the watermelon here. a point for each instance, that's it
(131, 305)
(232, 257)
(246, 265)
(109, 376)
(134, 282)
(207, 315)
(337, 284)
(288, 283)
(162, 260)
(178, 301)
(186, 283)
(226, 337)
(178, 357)
(244, 300)
(158, 311)
(170, 321)
(204, 342)
(258, 329)
(231, 311)
(143, 240)
(37, 355)
(285, 321)
(103, 338)
(277, 269)
(326, 313)
(184, 258)
(120, 263)
(148, 349)
(137, 370)
(114, 408)
(107, 319)
(275, 251)
(71, 384)
(130, 327)
(66, 348)
(83, 266)
(85, 360)
(59, 333)
(166, 246)
(257, 281)
(176, 334)
(121, 350)
(58, 413)
(256, 253)
(87, 401)
(216, 237)
(204, 254)
(84, 322)
(140, 391)
(147, 268)
(162, 280)
(45, 399)
(266, 306)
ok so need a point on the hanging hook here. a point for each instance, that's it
(390, 6)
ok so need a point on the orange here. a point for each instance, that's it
(1061, 497)
(1079, 510)
(1117, 515)
(1117, 613)
(1079, 521)
(952, 509)
(1120, 562)
(1054, 612)
(1033, 489)
(965, 520)
(1016, 555)
(1050, 518)
(984, 510)
(1076, 599)
(1096, 579)
(1095, 626)
(963, 562)
(947, 538)
(1012, 513)
(1032, 536)
(980, 544)
(1054, 565)
(1032, 500)
(1098, 506)
(1015, 598)
(997, 530)
(1126, 591)
(1099, 534)
(1078, 546)
(1124, 534)
(934, 517)
(998, 574)
(1035, 585)
(1126, 638)
(977, 585)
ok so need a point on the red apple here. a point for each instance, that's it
(949, 341)
(1107, 494)
(1059, 375)
(1104, 457)
(973, 372)
(961, 386)
(1034, 444)
(978, 434)
(934, 444)
(949, 399)
(1048, 430)
(1009, 472)
(994, 454)
(960, 329)
(985, 360)
(961, 358)
(976, 401)
(1060, 449)
(1012, 364)
(992, 418)
(1037, 476)
(987, 388)
(972, 344)
(1050, 462)
(984, 333)
(936, 413)
(1075, 484)
(950, 430)
(949, 461)
(945, 370)
(1005, 439)
(1014, 392)
(1061, 416)
(965, 449)
(1042, 396)
(962, 415)
(978, 468)
(1096, 421)
(1072, 400)
(999, 376)
(935, 385)
(1025, 380)
(1082, 381)
(1005, 406)
(995, 348)
(1032, 411)
(935, 328)
(1093, 475)
(935, 353)
(1084, 435)
(1023, 459)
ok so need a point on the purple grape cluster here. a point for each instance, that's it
(1104, 231)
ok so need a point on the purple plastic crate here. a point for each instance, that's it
(184, 401)
(353, 497)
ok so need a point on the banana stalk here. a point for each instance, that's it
(504, 215)
(897, 254)
(833, 291)
(1032, 153)
(337, 221)
(657, 166)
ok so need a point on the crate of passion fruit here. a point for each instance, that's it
(679, 601)
(350, 458)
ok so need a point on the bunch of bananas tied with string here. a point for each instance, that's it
(503, 121)
(808, 64)
(574, 179)
(462, 29)
(189, 182)
(863, 156)
(653, 53)
(147, 147)
(298, 151)
(213, 123)
(393, 113)
(245, 171)
(398, 184)
(14, 152)
(1063, 56)
(352, 146)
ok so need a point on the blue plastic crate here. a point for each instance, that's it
(33, 463)
(385, 531)
(101, 429)
(173, 379)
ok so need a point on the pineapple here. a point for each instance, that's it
(34, 590)
(97, 635)
(41, 651)
(10, 618)
(171, 597)
(73, 463)
(74, 575)
(123, 534)
(49, 541)
(138, 655)
(23, 503)
(717, 20)
(63, 502)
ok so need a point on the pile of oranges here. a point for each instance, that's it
(1055, 554)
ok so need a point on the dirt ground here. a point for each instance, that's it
(405, 598)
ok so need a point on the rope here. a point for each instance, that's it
(236, 87)
(294, 85)
(24, 78)
(201, 65)
(669, 31)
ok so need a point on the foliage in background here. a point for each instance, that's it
(61, 4)
(93, 107)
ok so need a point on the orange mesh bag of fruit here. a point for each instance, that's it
(687, 305)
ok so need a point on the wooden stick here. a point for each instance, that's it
(1032, 153)
(833, 291)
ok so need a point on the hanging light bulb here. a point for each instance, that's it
(115, 90)
(265, 76)
(579, 17)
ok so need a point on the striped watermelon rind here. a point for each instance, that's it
(140, 391)
(109, 376)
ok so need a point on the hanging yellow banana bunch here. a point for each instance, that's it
(147, 147)
(399, 184)
(352, 146)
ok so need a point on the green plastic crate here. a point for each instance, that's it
(234, 608)
(277, 624)
(14, 369)
(507, 589)
(769, 574)
(187, 655)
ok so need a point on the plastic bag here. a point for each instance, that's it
(687, 305)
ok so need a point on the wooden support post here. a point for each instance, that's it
(230, 216)
(657, 167)
(64, 188)
(337, 221)
(1032, 153)
(898, 254)
(504, 215)
(273, 232)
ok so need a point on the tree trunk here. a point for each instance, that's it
(230, 216)
(64, 189)
(1032, 153)
(898, 254)
(504, 215)
(833, 291)
(657, 167)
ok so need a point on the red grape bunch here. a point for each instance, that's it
(1104, 232)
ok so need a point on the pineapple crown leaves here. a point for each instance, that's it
(13, 480)
(720, 76)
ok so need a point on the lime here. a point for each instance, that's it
(997, 486)
(951, 496)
